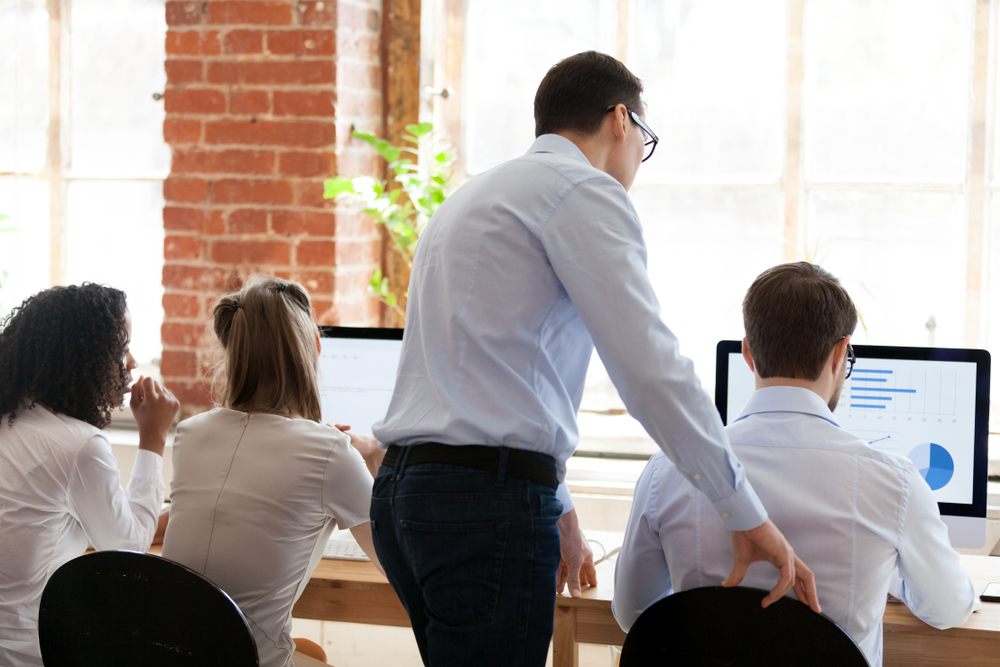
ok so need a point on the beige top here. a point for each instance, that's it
(254, 499)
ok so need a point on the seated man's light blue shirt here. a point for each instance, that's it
(859, 518)
(518, 276)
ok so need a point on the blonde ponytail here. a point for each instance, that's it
(268, 339)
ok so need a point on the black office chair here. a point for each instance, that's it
(125, 608)
(717, 626)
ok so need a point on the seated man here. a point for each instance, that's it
(861, 518)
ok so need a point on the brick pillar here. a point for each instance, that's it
(260, 100)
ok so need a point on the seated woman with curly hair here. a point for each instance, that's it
(64, 365)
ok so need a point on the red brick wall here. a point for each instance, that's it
(260, 100)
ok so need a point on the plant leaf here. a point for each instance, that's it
(336, 186)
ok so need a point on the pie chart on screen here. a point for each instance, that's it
(934, 463)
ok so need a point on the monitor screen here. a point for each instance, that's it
(930, 405)
(357, 373)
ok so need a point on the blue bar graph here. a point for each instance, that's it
(862, 390)
(883, 389)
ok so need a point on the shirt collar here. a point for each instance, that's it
(558, 144)
(787, 399)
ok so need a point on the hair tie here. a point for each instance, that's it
(235, 305)
(282, 287)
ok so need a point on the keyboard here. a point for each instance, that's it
(342, 546)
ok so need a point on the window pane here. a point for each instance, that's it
(117, 126)
(714, 79)
(887, 89)
(705, 248)
(24, 82)
(993, 307)
(24, 254)
(902, 259)
(509, 48)
(116, 237)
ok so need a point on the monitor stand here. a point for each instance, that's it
(966, 532)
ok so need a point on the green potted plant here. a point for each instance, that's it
(420, 174)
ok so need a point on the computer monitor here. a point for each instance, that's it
(930, 405)
(357, 374)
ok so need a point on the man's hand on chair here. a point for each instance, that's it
(765, 542)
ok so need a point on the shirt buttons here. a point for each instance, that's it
(725, 515)
(697, 475)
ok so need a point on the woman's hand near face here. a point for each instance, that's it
(154, 409)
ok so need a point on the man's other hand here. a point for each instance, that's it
(577, 566)
(765, 542)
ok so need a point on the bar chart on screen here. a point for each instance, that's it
(894, 387)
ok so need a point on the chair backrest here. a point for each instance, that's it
(128, 608)
(727, 626)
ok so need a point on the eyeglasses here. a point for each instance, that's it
(851, 358)
(651, 139)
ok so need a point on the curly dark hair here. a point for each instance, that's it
(64, 348)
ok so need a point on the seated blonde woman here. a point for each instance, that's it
(259, 482)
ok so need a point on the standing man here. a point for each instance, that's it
(519, 275)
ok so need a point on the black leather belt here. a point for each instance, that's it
(532, 466)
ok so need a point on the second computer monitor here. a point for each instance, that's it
(930, 405)
(357, 374)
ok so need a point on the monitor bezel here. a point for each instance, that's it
(980, 454)
(362, 333)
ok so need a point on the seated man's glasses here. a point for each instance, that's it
(651, 139)
(851, 358)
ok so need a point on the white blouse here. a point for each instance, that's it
(60, 491)
(254, 499)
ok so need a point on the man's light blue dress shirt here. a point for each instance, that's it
(864, 521)
(519, 274)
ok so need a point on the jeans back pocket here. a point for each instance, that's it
(458, 567)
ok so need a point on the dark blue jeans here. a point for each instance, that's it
(473, 557)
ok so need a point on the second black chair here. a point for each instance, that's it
(127, 608)
(726, 626)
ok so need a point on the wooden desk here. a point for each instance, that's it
(354, 592)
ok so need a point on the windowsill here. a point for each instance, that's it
(129, 437)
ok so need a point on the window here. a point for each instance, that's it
(853, 134)
(82, 158)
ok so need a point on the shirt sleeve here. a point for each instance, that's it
(347, 486)
(641, 573)
(565, 497)
(111, 517)
(594, 243)
(934, 585)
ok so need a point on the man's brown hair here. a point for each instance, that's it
(577, 91)
(268, 338)
(793, 315)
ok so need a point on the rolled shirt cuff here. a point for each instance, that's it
(742, 510)
(147, 466)
(564, 496)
